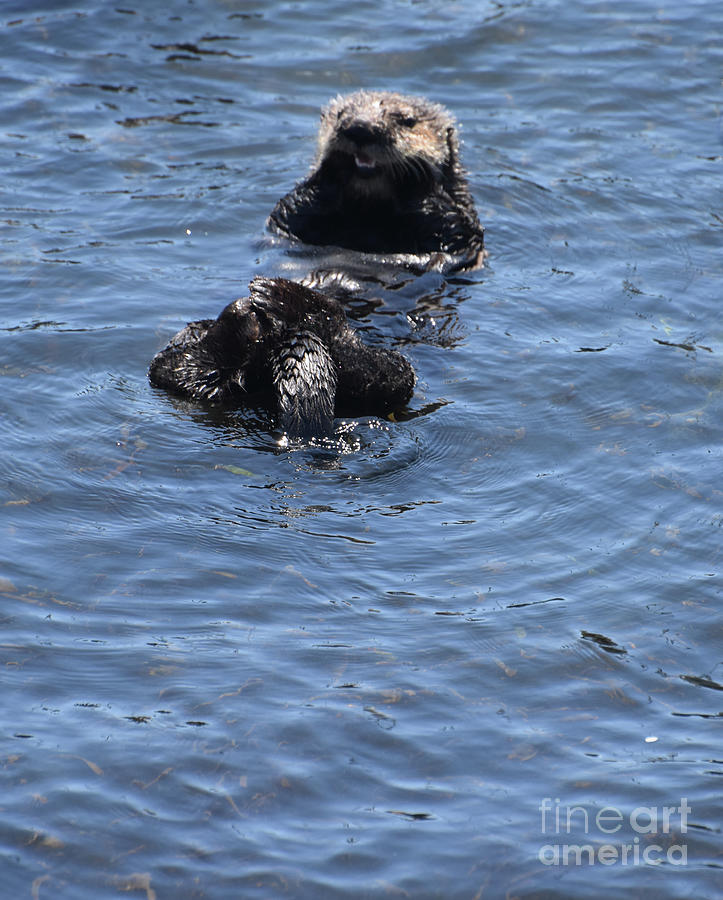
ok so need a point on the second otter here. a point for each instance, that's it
(387, 179)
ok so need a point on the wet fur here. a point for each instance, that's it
(289, 347)
(387, 179)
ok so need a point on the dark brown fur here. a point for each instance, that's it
(288, 346)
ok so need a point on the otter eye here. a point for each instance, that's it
(407, 121)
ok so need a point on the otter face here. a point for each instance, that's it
(374, 142)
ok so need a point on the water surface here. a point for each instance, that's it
(230, 671)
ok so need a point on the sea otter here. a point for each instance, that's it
(387, 180)
(289, 346)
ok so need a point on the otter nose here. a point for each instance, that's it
(361, 133)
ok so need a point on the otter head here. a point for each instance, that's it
(376, 146)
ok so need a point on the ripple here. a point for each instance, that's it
(251, 671)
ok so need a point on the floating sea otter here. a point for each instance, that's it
(387, 180)
(288, 346)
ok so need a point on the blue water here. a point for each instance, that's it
(423, 666)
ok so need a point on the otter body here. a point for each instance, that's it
(288, 346)
(387, 180)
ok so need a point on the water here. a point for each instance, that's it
(230, 671)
